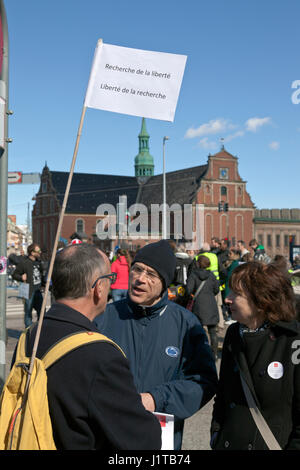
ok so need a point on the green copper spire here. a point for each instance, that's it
(143, 163)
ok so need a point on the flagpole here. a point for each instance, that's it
(61, 216)
(62, 213)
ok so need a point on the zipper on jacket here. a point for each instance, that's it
(140, 360)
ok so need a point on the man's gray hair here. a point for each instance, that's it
(75, 269)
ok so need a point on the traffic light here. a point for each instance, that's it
(226, 207)
(220, 206)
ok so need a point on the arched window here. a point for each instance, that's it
(79, 225)
(223, 191)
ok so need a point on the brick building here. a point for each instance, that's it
(222, 185)
(216, 187)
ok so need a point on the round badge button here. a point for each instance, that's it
(172, 351)
(275, 370)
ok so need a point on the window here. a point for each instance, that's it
(52, 206)
(277, 241)
(223, 191)
(37, 207)
(45, 205)
(45, 234)
(260, 239)
(52, 233)
(286, 240)
(79, 226)
(269, 240)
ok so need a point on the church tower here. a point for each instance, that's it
(143, 163)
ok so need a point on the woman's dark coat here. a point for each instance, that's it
(205, 305)
(278, 399)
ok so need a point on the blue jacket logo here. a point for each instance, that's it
(172, 351)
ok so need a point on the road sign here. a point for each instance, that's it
(14, 177)
(31, 178)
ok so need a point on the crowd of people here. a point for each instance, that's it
(169, 344)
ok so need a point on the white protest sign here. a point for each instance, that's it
(167, 430)
(135, 82)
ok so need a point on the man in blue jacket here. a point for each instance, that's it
(167, 348)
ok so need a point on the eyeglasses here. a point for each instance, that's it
(138, 271)
(112, 278)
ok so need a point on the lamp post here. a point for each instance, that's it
(164, 224)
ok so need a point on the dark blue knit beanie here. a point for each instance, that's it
(160, 257)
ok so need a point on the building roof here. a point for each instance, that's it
(181, 186)
(88, 191)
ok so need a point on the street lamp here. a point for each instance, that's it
(164, 224)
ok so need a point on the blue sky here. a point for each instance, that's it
(243, 57)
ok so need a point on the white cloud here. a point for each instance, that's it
(234, 136)
(215, 126)
(274, 145)
(255, 123)
(207, 144)
(223, 127)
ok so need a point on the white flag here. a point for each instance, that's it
(135, 82)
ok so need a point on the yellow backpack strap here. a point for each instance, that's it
(73, 342)
(21, 351)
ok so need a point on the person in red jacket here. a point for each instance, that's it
(120, 266)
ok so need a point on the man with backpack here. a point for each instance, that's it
(93, 403)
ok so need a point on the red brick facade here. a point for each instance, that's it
(222, 183)
(45, 217)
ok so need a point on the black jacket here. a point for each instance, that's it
(26, 266)
(205, 305)
(278, 397)
(92, 398)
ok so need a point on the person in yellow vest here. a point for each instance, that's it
(214, 267)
